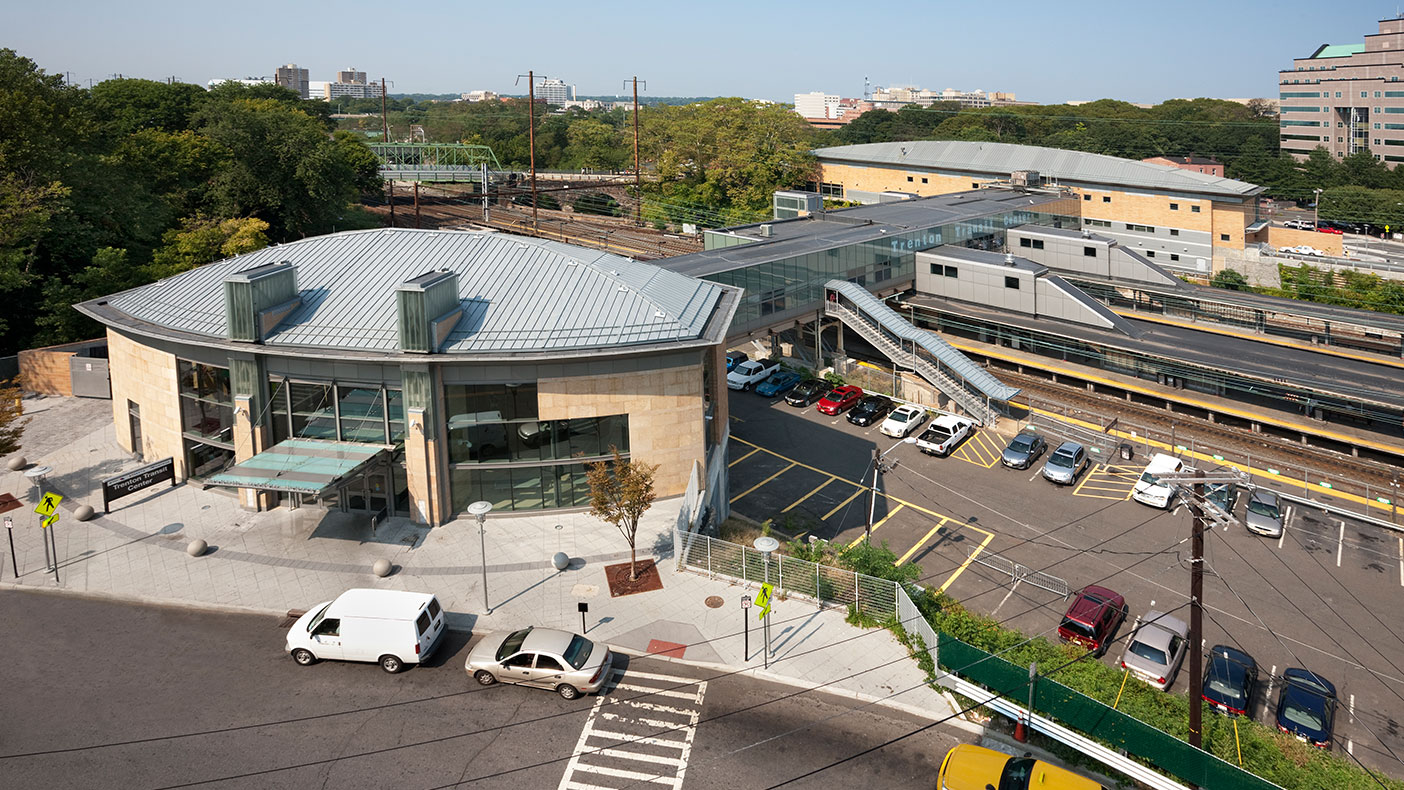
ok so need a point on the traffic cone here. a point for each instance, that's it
(1021, 733)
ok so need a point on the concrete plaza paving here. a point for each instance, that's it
(284, 559)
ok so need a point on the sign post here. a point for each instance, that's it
(10, 531)
(583, 607)
(766, 545)
(745, 624)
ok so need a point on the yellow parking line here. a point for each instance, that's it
(763, 482)
(922, 542)
(894, 511)
(840, 505)
(966, 564)
(831, 479)
(744, 457)
(1091, 474)
(934, 514)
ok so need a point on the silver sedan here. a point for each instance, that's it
(543, 657)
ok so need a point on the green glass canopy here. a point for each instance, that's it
(302, 466)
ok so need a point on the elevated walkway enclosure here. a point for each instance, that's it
(947, 369)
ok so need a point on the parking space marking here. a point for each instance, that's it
(742, 458)
(1107, 481)
(1340, 545)
(792, 505)
(978, 450)
(989, 536)
(1286, 520)
(840, 505)
(1401, 562)
(763, 482)
(922, 542)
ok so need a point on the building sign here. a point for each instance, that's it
(136, 480)
(922, 241)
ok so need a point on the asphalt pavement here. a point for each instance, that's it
(1324, 597)
(109, 694)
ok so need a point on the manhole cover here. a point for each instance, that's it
(714, 602)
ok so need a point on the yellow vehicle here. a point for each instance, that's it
(968, 767)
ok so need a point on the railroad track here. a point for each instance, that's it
(1291, 458)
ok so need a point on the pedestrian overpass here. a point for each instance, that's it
(949, 371)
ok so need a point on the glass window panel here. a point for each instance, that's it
(210, 420)
(396, 406)
(490, 402)
(278, 410)
(526, 487)
(313, 413)
(362, 414)
(477, 442)
(203, 460)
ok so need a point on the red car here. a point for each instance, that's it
(841, 399)
(1093, 618)
(1329, 229)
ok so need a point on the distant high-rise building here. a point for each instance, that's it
(553, 91)
(817, 104)
(292, 77)
(351, 76)
(1343, 96)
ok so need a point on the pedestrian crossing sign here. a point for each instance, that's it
(763, 600)
(48, 504)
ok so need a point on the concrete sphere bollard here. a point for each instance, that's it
(196, 547)
(561, 560)
(17, 463)
(83, 512)
(381, 568)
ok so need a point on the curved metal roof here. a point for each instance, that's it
(517, 293)
(998, 160)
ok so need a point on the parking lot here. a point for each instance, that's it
(1322, 597)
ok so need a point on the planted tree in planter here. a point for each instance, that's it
(620, 493)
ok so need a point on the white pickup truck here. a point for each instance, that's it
(750, 373)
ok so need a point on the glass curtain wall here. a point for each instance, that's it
(206, 417)
(499, 451)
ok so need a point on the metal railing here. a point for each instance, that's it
(1019, 573)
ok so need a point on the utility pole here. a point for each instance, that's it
(531, 141)
(1196, 629)
(384, 121)
(416, 207)
(638, 178)
(872, 497)
(391, 184)
(1316, 209)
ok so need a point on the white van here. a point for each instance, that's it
(389, 627)
(1149, 490)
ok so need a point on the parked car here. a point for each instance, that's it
(1156, 649)
(970, 767)
(392, 628)
(903, 421)
(543, 657)
(1306, 707)
(1023, 450)
(779, 383)
(734, 358)
(1297, 224)
(869, 410)
(750, 373)
(1092, 618)
(1150, 489)
(1324, 228)
(840, 399)
(1264, 514)
(808, 391)
(1229, 680)
(944, 433)
(1222, 496)
(1065, 464)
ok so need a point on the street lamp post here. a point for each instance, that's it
(1316, 210)
(873, 492)
(767, 545)
(479, 511)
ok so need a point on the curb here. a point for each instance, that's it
(145, 600)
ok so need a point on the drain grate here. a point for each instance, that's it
(291, 617)
(714, 602)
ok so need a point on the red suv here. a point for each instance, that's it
(1093, 618)
(841, 399)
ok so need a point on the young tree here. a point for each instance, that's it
(12, 419)
(620, 493)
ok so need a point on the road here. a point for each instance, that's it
(99, 694)
(1324, 597)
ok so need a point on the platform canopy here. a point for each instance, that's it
(302, 466)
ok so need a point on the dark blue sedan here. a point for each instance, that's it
(1229, 680)
(1307, 707)
(779, 383)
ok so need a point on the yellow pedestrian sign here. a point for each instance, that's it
(48, 504)
(49, 521)
(763, 600)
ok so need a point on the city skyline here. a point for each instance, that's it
(1041, 54)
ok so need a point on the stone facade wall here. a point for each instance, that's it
(665, 409)
(146, 377)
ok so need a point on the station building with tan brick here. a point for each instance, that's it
(1184, 221)
(412, 372)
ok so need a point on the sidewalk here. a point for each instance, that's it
(282, 560)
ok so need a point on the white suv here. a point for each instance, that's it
(903, 421)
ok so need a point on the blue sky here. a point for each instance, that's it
(1042, 51)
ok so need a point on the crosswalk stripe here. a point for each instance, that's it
(692, 695)
(627, 738)
(634, 673)
(638, 720)
(653, 706)
(640, 756)
(620, 773)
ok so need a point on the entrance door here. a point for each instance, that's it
(378, 491)
(134, 425)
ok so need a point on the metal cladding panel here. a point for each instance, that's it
(518, 294)
(975, 375)
(1001, 159)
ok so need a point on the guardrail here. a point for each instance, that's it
(1019, 573)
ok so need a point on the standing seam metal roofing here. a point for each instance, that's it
(1001, 159)
(518, 294)
(949, 356)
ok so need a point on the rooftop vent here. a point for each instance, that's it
(1086, 234)
(1025, 178)
(766, 231)
(428, 309)
(1008, 259)
(256, 299)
